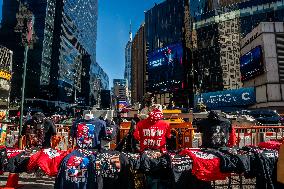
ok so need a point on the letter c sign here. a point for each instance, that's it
(245, 96)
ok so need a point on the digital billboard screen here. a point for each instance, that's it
(165, 68)
(251, 64)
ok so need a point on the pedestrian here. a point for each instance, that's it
(38, 131)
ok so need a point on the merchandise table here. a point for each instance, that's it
(213, 168)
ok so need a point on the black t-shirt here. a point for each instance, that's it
(181, 167)
(153, 162)
(134, 160)
(231, 161)
(18, 163)
(215, 130)
(156, 167)
(3, 158)
(263, 165)
(88, 133)
(112, 170)
(39, 135)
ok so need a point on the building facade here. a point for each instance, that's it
(62, 58)
(262, 52)
(167, 32)
(218, 27)
(138, 65)
(120, 92)
(75, 59)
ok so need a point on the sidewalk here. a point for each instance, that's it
(30, 181)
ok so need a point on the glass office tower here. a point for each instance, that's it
(63, 51)
(218, 31)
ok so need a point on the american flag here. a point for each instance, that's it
(30, 31)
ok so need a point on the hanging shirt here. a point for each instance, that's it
(215, 131)
(18, 160)
(39, 135)
(182, 178)
(206, 167)
(230, 160)
(181, 167)
(273, 145)
(111, 130)
(3, 159)
(88, 134)
(48, 160)
(134, 160)
(155, 166)
(112, 170)
(263, 166)
(152, 135)
(77, 171)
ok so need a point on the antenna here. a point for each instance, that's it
(130, 32)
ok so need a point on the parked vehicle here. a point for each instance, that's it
(266, 116)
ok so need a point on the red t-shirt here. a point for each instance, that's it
(48, 160)
(206, 166)
(273, 145)
(152, 135)
(13, 152)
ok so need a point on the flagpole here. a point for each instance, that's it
(27, 42)
(23, 93)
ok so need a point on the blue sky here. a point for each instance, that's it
(113, 29)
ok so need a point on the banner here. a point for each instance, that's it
(227, 98)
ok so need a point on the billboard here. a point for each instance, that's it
(165, 69)
(5, 75)
(251, 64)
(122, 105)
(228, 98)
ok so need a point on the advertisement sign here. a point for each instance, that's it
(122, 105)
(227, 98)
(165, 69)
(3, 128)
(5, 75)
(251, 64)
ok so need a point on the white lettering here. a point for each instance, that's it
(146, 132)
(245, 96)
(160, 132)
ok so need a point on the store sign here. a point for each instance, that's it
(227, 98)
(5, 75)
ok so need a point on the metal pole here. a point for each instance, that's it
(23, 91)
(8, 100)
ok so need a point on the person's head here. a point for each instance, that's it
(38, 117)
(155, 115)
(88, 117)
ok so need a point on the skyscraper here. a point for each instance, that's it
(62, 60)
(138, 65)
(168, 46)
(76, 29)
(127, 70)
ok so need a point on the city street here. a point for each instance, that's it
(30, 181)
